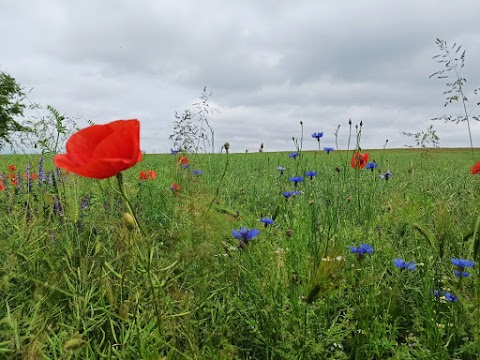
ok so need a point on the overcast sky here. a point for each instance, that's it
(270, 64)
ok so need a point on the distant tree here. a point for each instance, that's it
(11, 105)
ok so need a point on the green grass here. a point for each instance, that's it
(83, 284)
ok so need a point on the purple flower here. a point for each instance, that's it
(281, 169)
(401, 264)
(198, 172)
(311, 174)
(387, 175)
(362, 249)
(328, 149)
(293, 155)
(371, 166)
(287, 194)
(296, 179)
(463, 263)
(174, 151)
(446, 295)
(317, 135)
(266, 221)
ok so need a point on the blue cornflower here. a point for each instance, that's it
(445, 295)
(174, 151)
(293, 155)
(287, 194)
(362, 250)
(463, 263)
(245, 235)
(185, 166)
(266, 221)
(317, 135)
(296, 180)
(401, 264)
(461, 273)
(297, 193)
(328, 149)
(198, 172)
(387, 175)
(281, 169)
(311, 174)
(371, 165)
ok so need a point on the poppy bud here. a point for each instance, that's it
(349, 121)
(226, 146)
(301, 122)
(129, 220)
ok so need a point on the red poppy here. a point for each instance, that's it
(102, 151)
(33, 176)
(12, 168)
(14, 181)
(359, 160)
(2, 187)
(476, 168)
(149, 174)
(182, 160)
(11, 176)
(175, 187)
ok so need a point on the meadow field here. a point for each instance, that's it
(236, 257)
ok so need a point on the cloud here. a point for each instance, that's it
(270, 64)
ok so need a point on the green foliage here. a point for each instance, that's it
(80, 284)
(11, 106)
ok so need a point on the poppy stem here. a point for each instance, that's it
(119, 177)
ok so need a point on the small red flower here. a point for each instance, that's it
(175, 187)
(102, 151)
(182, 160)
(2, 187)
(149, 174)
(359, 160)
(14, 181)
(476, 168)
(11, 176)
(33, 176)
(12, 168)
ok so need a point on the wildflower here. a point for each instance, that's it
(287, 194)
(281, 169)
(33, 176)
(2, 186)
(185, 166)
(41, 173)
(174, 151)
(328, 149)
(293, 155)
(296, 179)
(362, 250)
(476, 169)
(311, 174)
(461, 265)
(266, 221)
(372, 166)
(182, 160)
(245, 235)
(387, 176)
(359, 160)
(298, 192)
(445, 296)
(401, 264)
(102, 151)
(198, 172)
(12, 168)
(85, 202)
(175, 187)
(317, 135)
(149, 174)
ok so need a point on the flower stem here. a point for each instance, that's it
(121, 187)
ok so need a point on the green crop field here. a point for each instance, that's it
(354, 265)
